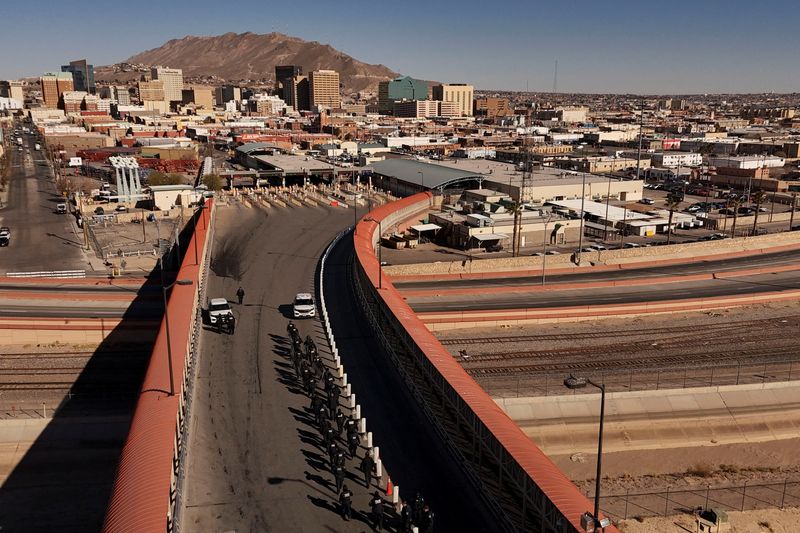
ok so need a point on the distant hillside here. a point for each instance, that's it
(249, 56)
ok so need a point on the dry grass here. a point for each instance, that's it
(700, 470)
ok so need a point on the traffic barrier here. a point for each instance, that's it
(369, 439)
(58, 274)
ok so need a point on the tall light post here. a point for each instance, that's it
(574, 383)
(580, 236)
(380, 254)
(422, 179)
(164, 289)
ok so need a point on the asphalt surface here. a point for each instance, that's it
(697, 267)
(41, 239)
(415, 455)
(255, 460)
(738, 286)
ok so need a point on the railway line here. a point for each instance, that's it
(791, 321)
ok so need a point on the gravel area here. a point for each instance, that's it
(722, 347)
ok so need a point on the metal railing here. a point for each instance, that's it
(671, 501)
(643, 379)
(61, 274)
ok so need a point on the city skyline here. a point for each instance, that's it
(716, 47)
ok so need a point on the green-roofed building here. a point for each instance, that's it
(398, 89)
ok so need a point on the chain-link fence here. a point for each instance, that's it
(552, 383)
(746, 497)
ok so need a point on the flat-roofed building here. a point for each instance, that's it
(492, 107)
(82, 75)
(54, 85)
(12, 89)
(286, 72)
(399, 89)
(415, 108)
(459, 93)
(152, 96)
(172, 78)
(199, 96)
(324, 89)
(297, 93)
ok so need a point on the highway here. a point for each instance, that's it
(40, 238)
(739, 286)
(682, 269)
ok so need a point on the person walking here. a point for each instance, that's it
(240, 295)
(338, 476)
(405, 518)
(367, 466)
(376, 505)
(339, 418)
(346, 503)
(353, 442)
(419, 503)
(426, 520)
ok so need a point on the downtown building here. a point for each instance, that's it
(54, 85)
(404, 88)
(172, 79)
(82, 75)
(324, 90)
(457, 93)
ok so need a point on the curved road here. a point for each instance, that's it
(254, 460)
(698, 267)
(739, 286)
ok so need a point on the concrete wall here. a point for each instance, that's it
(608, 257)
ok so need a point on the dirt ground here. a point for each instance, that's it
(761, 521)
(682, 339)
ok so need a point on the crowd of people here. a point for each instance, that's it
(341, 439)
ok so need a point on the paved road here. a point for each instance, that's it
(40, 238)
(255, 461)
(700, 267)
(612, 295)
(415, 455)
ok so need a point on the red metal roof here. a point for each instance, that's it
(141, 495)
(544, 473)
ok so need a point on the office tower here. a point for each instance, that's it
(172, 78)
(82, 75)
(460, 93)
(399, 89)
(324, 89)
(54, 84)
(284, 72)
(296, 93)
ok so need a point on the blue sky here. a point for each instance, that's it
(640, 46)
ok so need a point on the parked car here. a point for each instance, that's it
(99, 211)
(121, 208)
(217, 308)
(647, 201)
(61, 208)
(631, 245)
(5, 236)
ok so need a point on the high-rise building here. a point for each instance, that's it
(296, 93)
(284, 72)
(121, 95)
(324, 89)
(54, 84)
(415, 108)
(172, 78)
(12, 89)
(399, 89)
(82, 75)
(460, 93)
(228, 93)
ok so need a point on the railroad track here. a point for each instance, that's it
(707, 330)
(654, 362)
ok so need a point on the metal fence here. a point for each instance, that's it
(642, 379)
(745, 497)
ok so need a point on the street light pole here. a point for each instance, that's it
(422, 174)
(580, 236)
(578, 383)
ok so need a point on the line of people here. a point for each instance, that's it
(334, 427)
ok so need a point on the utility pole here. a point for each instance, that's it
(641, 129)
(517, 238)
(580, 236)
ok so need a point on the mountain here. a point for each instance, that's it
(250, 56)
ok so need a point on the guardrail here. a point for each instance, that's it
(525, 490)
(62, 274)
(145, 493)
